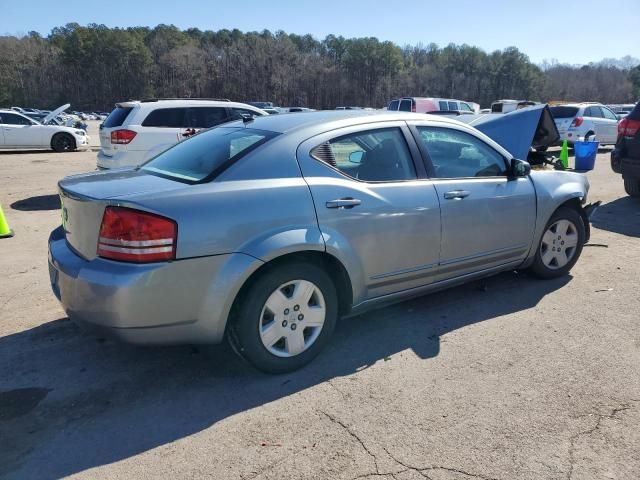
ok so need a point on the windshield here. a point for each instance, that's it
(205, 155)
(563, 112)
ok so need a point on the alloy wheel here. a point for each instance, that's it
(559, 244)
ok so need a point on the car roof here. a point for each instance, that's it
(330, 119)
(180, 102)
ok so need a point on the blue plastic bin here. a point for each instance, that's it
(586, 155)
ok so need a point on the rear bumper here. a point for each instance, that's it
(120, 159)
(185, 301)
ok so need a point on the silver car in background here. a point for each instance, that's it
(265, 231)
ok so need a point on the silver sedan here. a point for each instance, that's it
(265, 231)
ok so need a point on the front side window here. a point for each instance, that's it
(405, 105)
(456, 154)
(608, 114)
(206, 154)
(380, 155)
(204, 117)
(465, 107)
(13, 119)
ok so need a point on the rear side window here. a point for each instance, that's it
(405, 105)
(393, 105)
(563, 112)
(166, 117)
(205, 155)
(117, 117)
(593, 112)
(443, 106)
(453, 106)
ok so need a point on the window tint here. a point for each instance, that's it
(496, 107)
(405, 106)
(204, 117)
(592, 112)
(378, 155)
(465, 107)
(453, 105)
(443, 106)
(393, 105)
(166, 117)
(13, 119)
(456, 154)
(205, 154)
(606, 113)
(563, 112)
(117, 117)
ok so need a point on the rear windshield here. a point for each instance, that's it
(635, 113)
(117, 117)
(205, 155)
(563, 112)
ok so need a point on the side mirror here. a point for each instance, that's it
(519, 168)
(356, 157)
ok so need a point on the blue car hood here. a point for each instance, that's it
(519, 130)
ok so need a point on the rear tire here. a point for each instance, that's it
(63, 142)
(276, 301)
(560, 245)
(632, 186)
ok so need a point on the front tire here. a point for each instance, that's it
(63, 142)
(560, 245)
(286, 317)
(632, 186)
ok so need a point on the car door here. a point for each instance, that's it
(19, 131)
(163, 127)
(488, 219)
(594, 114)
(198, 118)
(375, 208)
(610, 122)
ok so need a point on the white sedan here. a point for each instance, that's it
(17, 131)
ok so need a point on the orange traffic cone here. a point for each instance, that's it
(5, 231)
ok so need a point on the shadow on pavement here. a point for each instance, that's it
(619, 216)
(41, 202)
(95, 402)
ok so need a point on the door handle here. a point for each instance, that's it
(456, 194)
(343, 203)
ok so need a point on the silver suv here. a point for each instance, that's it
(581, 120)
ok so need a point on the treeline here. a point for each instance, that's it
(95, 66)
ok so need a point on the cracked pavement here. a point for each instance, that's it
(509, 378)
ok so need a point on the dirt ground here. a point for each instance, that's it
(509, 378)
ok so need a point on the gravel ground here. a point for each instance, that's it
(509, 378)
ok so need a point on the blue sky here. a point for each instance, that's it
(571, 31)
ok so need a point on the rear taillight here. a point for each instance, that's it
(134, 236)
(628, 127)
(122, 136)
(577, 122)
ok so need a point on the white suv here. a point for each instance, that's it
(136, 131)
(575, 120)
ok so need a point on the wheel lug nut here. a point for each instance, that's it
(300, 317)
(296, 308)
(286, 311)
(284, 324)
(293, 326)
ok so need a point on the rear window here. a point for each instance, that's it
(117, 117)
(453, 106)
(496, 108)
(563, 112)
(166, 117)
(205, 155)
(635, 113)
(393, 105)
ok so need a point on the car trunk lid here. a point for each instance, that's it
(84, 198)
